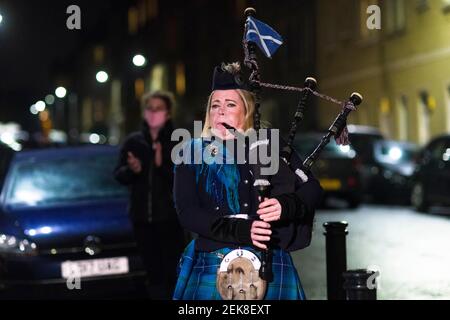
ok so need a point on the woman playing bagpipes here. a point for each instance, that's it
(217, 199)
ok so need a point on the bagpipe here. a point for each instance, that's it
(258, 34)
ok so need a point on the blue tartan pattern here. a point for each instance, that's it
(197, 276)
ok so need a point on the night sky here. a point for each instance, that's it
(33, 39)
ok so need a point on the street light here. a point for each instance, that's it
(94, 138)
(61, 92)
(139, 60)
(101, 76)
(33, 109)
(49, 99)
(1, 19)
(40, 106)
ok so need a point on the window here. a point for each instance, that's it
(180, 79)
(306, 144)
(158, 77)
(403, 118)
(386, 117)
(49, 182)
(139, 88)
(133, 20)
(424, 116)
(394, 152)
(99, 55)
(422, 5)
(394, 15)
(142, 13)
(446, 6)
(152, 9)
(347, 26)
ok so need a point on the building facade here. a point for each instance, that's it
(401, 69)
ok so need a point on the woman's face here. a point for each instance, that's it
(226, 107)
(156, 113)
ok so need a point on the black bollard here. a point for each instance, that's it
(335, 233)
(358, 286)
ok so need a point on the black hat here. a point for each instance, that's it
(224, 80)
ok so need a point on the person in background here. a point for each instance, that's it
(145, 166)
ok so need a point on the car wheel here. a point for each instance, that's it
(418, 197)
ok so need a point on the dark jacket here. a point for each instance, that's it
(153, 182)
(201, 214)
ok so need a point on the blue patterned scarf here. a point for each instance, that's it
(219, 171)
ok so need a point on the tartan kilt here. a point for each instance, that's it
(197, 273)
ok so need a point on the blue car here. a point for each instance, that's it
(64, 227)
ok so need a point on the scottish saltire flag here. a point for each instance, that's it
(267, 39)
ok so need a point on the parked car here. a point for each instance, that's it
(363, 139)
(6, 154)
(63, 219)
(336, 168)
(391, 173)
(431, 180)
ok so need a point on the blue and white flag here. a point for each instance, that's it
(267, 39)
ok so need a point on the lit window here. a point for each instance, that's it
(139, 88)
(158, 78)
(180, 79)
(133, 20)
(152, 9)
(99, 54)
(142, 13)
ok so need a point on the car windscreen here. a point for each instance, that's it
(395, 153)
(305, 146)
(63, 180)
(363, 144)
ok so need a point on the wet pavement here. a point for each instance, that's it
(410, 249)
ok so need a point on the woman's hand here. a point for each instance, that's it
(260, 232)
(269, 210)
(134, 163)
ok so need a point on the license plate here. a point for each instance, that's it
(330, 184)
(94, 267)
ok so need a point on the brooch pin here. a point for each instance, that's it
(213, 150)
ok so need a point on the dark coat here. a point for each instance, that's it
(158, 180)
(201, 214)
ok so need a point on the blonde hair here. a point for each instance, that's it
(247, 98)
(249, 104)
